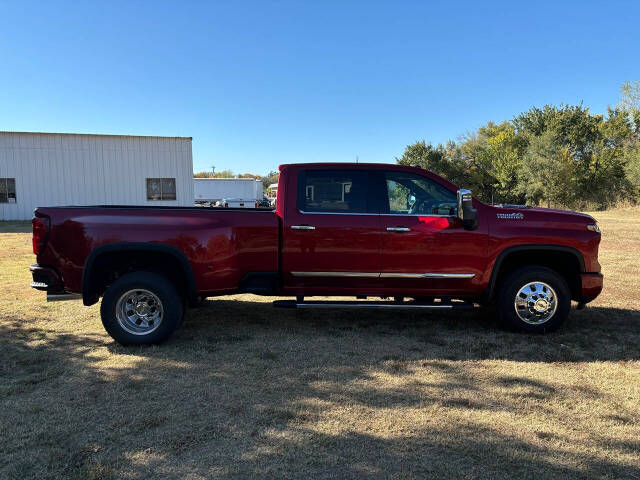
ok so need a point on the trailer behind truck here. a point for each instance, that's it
(212, 190)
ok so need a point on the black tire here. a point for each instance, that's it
(510, 288)
(172, 308)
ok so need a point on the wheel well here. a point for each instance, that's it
(105, 268)
(563, 262)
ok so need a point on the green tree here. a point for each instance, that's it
(225, 174)
(547, 172)
(630, 96)
(493, 157)
(271, 177)
(594, 143)
(632, 169)
(608, 182)
(426, 156)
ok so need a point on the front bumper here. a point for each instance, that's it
(591, 286)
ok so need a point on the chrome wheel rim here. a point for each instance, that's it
(139, 311)
(536, 303)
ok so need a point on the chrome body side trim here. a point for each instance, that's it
(336, 274)
(384, 275)
(427, 275)
(302, 227)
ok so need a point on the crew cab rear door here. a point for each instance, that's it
(425, 249)
(331, 232)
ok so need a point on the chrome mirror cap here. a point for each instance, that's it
(464, 195)
(466, 212)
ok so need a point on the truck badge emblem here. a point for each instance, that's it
(511, 216)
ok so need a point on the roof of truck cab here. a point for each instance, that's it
(393, 166)
(341, 164)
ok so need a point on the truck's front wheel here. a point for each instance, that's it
(141, 308)
(534, 299)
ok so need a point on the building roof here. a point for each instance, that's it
(273, 185)
(96, 135)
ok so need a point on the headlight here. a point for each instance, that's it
(593, 227)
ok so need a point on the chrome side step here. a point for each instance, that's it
(59, 297)
(380, 305)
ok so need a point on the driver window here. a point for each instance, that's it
(412, 194)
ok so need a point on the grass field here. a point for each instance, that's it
(244, 390)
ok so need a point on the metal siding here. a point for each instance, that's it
(70, 169)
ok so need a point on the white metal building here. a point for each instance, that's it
(47, 169)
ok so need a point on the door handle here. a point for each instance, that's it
(398, 229)
(302, 227)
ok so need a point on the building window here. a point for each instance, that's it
(161, 188)
(7, 190)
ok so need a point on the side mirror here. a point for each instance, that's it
(466, 212)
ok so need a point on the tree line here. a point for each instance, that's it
(551, 156)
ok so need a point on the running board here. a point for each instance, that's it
(60, 297)
(381, 305)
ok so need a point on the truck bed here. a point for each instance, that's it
(222, 245)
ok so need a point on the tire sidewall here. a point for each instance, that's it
(172, 306)
(518, 279)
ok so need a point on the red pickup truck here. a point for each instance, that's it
(398, 234)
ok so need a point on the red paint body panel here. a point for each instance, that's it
(222, 246)
(435, 245)
(337, 244)
(591, 285)
(541, 227)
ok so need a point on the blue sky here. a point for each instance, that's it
(257, 84)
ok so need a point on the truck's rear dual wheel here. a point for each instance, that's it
(141, 308)
(534, 299)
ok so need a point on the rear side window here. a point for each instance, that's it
(333, 191)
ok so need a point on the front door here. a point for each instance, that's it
(425, 248)
(331, 237)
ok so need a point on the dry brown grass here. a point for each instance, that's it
(244, 390)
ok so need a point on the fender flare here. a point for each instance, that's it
(89, 299)
(529, 247)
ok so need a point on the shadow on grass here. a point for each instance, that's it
(17, 226)
(244, 390)
(593, 334)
